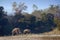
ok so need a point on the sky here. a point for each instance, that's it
(41, 4)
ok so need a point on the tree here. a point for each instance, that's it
(1, 16)
(37, 14)
(1, 11)
(50, 21)
(5, 27)
(18, 17)
(19, 8)
(43, 17)
(35, 7)
(14, 5)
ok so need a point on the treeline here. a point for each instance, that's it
(28, 21)
(39, 21)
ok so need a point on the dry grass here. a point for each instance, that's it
(30, 37)
(54, 32)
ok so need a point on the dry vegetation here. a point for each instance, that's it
(54, 32)
(31, 37)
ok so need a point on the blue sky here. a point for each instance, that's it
(42, 4)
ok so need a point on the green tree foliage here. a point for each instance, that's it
(35, 7)
(57, 21)
(43, 16)
(37, 14)
(4, 24)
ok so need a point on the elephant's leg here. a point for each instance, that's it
(12, 33)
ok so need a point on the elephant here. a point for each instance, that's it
(16, 31)
(27, 31)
